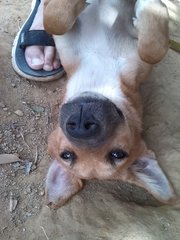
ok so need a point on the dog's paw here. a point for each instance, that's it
(145, 9)
(143, 5)
(151, 26)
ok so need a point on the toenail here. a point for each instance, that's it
(57, 65)
(36, 61)
(47, 67)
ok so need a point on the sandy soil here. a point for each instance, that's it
(103, 210)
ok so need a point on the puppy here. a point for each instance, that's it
(107, 49)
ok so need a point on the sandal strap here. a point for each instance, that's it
(36, 37)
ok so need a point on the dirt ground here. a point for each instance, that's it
(103, 210)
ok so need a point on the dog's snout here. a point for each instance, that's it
(89, 121)
(82, 125)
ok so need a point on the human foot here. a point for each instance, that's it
(41, 57)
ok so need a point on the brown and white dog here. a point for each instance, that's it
(107, 48)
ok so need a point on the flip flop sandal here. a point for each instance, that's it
(26, 38)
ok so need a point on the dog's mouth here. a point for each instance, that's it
(89, 119)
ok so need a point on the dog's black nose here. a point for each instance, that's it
(83, 125)
(88, 121)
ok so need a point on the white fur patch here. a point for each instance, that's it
(108, 15)
(98, 75)
(141, 4)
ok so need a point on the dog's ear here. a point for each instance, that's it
(54, 143)
(146, 173)
(60, 15)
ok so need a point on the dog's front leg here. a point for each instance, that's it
(60, 15)
(151, 22)
(60, 185)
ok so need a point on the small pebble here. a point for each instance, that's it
(5, 194)
(32, 130)
(13, 85)
(28, 214)
(49, 92)
(41, 193)
(34, 167)
(13, 203)
(29, 190)
(16, 165)
(2, 105)
(19, 113)
(37, 109)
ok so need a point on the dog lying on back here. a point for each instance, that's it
(107, 49)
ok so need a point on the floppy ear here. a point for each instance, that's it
(60, 185)
(60, 15)
(54, 143)
(147, 173)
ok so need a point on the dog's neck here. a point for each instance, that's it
(97, 74)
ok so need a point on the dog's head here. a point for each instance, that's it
(96, 139)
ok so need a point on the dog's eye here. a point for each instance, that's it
(116, 156)
(68, 156)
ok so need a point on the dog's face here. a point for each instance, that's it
(95, 138)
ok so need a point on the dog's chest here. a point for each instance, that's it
(99, 41)
(103, 28)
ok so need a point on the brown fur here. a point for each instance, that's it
(151, 48)
(57, 10)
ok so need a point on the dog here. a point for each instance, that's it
(107, 48)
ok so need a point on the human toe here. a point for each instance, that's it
(49, 54)
(34, 57)
(56, 62)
